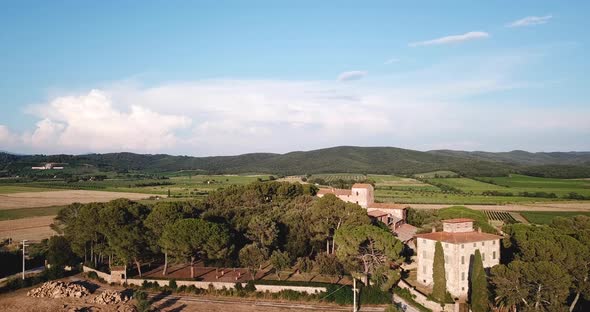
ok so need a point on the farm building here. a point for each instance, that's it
(459, 241)
(47, 166)
(360, 193)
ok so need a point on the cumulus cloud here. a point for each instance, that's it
(352, 75)
(90, 122)
(472, 35)
(435, 107)
(530, 21)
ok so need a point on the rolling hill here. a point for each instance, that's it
(350, 159)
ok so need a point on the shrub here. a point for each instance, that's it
(374, 295)
(250, 287)
(172, 284)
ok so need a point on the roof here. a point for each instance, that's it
(387, 206)
(117, 268)
(334, 191)
(458, 220)
(362, 185)
(377, 213)
(405, 232)
(458, 238)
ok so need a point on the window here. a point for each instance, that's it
(357, 202)
(423, 241)
(483, 243)
(357, 193)
(494, 255)
(462, 276)
(493, 242)
(424, 254)
(483, 256)
(474, 245)
(462, 246)
(462, 259)
(424, 269)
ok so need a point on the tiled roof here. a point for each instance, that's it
(334, 191)
(362, 185)
(405, 232)
(387, 206)
(458, 220)
(458, 238)
(377, 213)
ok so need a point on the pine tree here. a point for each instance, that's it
(439, 290)
(478, 286)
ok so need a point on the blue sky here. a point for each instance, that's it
(229, 77)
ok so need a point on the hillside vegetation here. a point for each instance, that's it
(343, 159)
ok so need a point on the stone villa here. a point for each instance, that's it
(459, 241)
(393, 215)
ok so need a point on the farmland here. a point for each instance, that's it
(521, 183)
(545, 217)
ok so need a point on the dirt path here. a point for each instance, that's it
(557, 206)
(58, 198)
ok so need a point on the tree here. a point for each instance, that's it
(367, 248)
(59, 252)
(196, 239)
(329, 213)
(538, 286)
(252, 257)
(439, 289)
(163, 214)
(478, 286)
(122, 225)
(262, 230)
(280, 260)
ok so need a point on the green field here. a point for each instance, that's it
(434, 174)
(9, 189)
(521, 183)
(545, 217)
(189, 185)
(414, 196)
(469, 185)
(12, 214)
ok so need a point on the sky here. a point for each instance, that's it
(230, 77)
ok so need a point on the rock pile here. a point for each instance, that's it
(110, 297)
(59, 290)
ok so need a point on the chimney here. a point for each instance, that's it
(433, 229)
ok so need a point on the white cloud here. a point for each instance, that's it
(391, 61)
(89, 122)
(435, 107)
(530, 21)
(352, 75)
(472, 35)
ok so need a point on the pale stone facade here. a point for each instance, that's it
(361, 194)
(459, 242)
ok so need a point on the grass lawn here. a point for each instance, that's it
(12, 214)
(545, 217)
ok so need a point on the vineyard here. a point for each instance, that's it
(503, 216)
(335, 177)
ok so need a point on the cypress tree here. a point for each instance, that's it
(439, 290)
(478, 286)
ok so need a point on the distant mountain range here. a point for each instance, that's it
(341, 159)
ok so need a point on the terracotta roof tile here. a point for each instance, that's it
(377, 213)
(387, 206)
(405, 232)
(458, 238)
(334, 191)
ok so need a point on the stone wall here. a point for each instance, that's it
(423, 300)
(203, 285)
